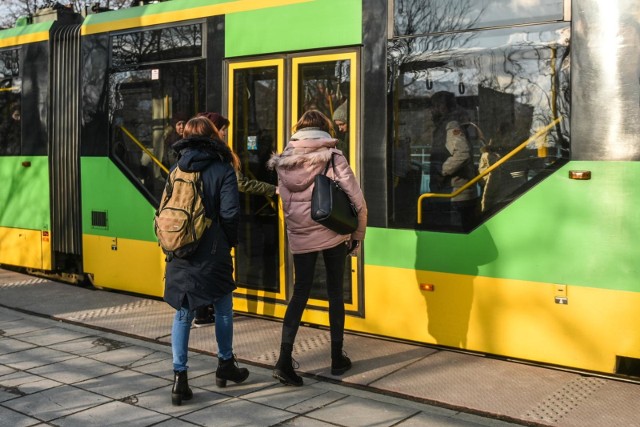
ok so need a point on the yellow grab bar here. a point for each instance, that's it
(143, 148)
(487, 171)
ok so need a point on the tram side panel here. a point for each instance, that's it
(119, 247)
(549, 279)
(24, 169)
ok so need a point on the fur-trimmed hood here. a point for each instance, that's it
(305, 156)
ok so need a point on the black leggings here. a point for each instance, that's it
(305, 264)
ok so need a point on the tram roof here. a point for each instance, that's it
(173, 11)
(25, 34)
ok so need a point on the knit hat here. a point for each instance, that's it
(218, 119)
(341, 113)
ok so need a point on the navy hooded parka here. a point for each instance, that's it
(207, 274)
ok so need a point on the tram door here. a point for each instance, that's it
(256, 113)
(261, 118)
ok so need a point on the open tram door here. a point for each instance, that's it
(266, 98)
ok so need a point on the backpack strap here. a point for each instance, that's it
(168, 190)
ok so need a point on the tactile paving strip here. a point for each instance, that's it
(26, 282)
(305, 344)
(565, 400)
(108, 311)
(302, 344)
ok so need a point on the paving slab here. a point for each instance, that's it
(238, 413)
(55, 402)
(112, 414)
(16, 419)
(76, 356)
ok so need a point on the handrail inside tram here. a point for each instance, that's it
(487, 171)
(143, 148)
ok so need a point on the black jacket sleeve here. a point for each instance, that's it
(230, 205)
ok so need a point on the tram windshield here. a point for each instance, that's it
(10, 113)
(462, 102)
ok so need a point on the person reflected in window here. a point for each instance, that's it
(451, 164)
(310, 149)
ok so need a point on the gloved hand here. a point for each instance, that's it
(353, 247)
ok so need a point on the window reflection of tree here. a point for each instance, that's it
(443, 26)
(511, 76)
(9, 63)
(10, 97)
(150, 46)
(146, 87)
(325, 86)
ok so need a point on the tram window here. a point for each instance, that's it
(144, 106)
(10, 96)
(254, 135)
(143, 47)
(416, 17)
(325, 86)
(501, 87)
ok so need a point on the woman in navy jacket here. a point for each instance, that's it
(206, 276)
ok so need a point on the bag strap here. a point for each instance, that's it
(333, 166)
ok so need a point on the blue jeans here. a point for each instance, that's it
(182, 327)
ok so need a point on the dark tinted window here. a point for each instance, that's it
(413, 17)
(10, 110)
(462, 102)
(145, 106)
(255, 138)
(163, 44)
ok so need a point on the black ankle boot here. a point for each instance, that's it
(180, 390)
(340, 363)
(284, 367)
(229, 370)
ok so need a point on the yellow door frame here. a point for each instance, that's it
(279, 64)
(268, 298)
(354, 124)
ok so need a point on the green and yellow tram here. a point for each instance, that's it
(545, 271)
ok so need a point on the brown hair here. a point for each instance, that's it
(202, 126)
(314, 119)
(218, 119)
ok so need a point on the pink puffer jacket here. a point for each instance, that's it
(305, 156)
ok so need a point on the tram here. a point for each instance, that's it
(543, 268)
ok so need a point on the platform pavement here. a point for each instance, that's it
(75, 356)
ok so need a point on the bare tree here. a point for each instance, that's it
(12, 10)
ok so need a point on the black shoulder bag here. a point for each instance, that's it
(330, 206)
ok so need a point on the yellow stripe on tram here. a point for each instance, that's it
(186, 14)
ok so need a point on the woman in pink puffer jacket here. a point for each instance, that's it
(306, 155)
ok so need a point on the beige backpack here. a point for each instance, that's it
(180, 221)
